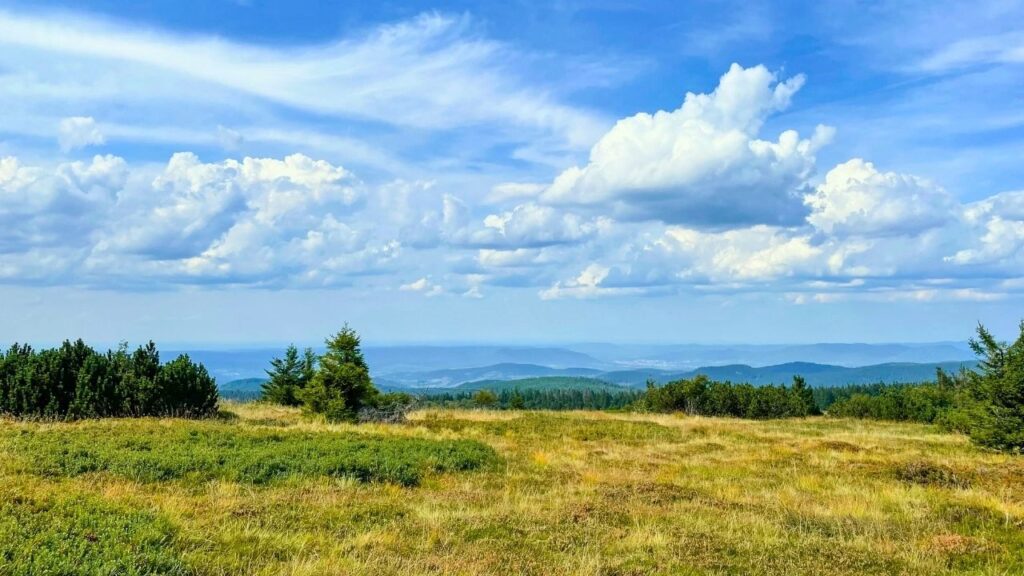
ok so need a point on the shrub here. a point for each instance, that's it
(988, 405)
(84, 535)
(927, 402)
(203, 451)
(700, 395)
(485, 399)
(76, 381)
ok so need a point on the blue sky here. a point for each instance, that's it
(260, 172)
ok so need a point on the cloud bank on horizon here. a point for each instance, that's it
(424, 157)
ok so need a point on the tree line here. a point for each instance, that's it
(76, 381)
(702, 396)
(986, 404)
(515, 399)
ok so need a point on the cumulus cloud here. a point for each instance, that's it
(515, 191)
(261, 221)
(40, 207)
(531, 225)
(233, 203)
(874, 234)
(999, 237)
(589, 283)
(424, 286)
(78, 132)
(702, 164)
(689, 200)
(751, 254)
(857, 199)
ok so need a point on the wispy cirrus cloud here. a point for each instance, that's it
(430, 73)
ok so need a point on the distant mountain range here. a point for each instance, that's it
(532, 376)
(442, 365)
(540, 383)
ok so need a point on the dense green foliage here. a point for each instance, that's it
(540, 399)
(992, 399)
(336, 384)
(84, 536)
(926, 402)
(485, 398)
(76, 381)
(706, 397)
(987, 404)
(203, 451)
(289, 376)
(825, 397)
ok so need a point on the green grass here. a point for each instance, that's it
(569, 493)
(62, 534)
(204, 451)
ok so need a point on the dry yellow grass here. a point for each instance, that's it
(599, 494)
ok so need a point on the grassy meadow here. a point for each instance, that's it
(266, 490)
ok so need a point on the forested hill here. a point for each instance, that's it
(533, 376)
(817, 375)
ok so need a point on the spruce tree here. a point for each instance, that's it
(341, 385)
(287, 376)
(803, 398)
(1000, 385)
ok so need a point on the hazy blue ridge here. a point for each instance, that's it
(821, 375)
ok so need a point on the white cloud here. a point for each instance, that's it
(399, 74)
(78, 132)
(515, 191)
(856, 199)
(530, 225)
(1005, 48)
(589, 283)
(231, 205)
(423, 285)
(689, 200)
(296, 221)
(41, 207)
(701, 164)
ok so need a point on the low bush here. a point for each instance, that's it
(76, 381)
(987, 404)
(926, 402)
(207, 451)
(700, 395)
(83, 535)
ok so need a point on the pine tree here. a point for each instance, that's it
(1000, 385)
(288, 376)
(804, 404)
(516, 401)
(309, 362)
(341, 385)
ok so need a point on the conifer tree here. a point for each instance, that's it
(1000, 385)
(341, 385)
(287, 376)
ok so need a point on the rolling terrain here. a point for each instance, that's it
(265, 490)
(448, 365)
(528, 375)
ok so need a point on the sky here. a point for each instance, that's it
(214, 172)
